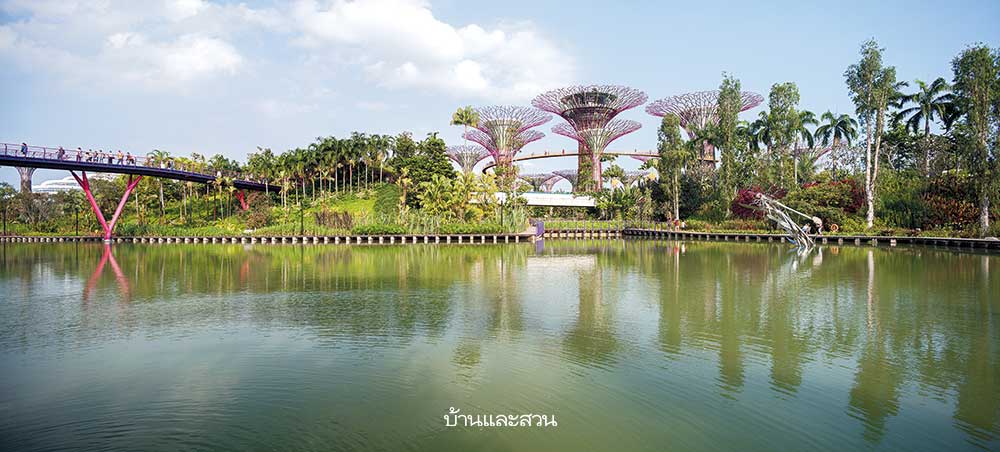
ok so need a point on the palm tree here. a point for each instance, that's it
(930, 101)
(760, 131)
(834, 130)
(806, 118)
(158, 157)
(466, 117)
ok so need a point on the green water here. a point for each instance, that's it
(631, 345)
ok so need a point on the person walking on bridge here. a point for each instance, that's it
(79, 154)
(121, 157)
(61, 154)
(24, 149)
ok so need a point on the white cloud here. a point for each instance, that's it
(188, 58)
(165, 44)
(277, 108)
(182, 9)
(401, 44)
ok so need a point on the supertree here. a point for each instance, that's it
(697, 110)
(538, 181)
(571, 176)
(504, 129)
(632, 176)
(499, 155)
(589, 110)
(551, 183)
(643, 158)
(467, 155)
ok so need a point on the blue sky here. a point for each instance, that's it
(225, 77)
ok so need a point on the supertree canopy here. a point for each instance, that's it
(467, 155)
(539, 181)
(504, 129)
(598, 137)
(697, 110)
(551, 183)
(589, 110)
(632, 176)
(569, 175)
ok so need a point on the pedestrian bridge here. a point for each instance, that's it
(29, 158)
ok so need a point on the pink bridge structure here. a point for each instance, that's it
(28, 158)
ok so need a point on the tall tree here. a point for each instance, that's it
(158, 157)
(784, 123)
(931, 101)
(977, 95)
(871, 86)
(674, 156)
(730, 103)
(803, 134)
(834, 131)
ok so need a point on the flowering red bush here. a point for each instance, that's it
(746, 197)
(951, 202)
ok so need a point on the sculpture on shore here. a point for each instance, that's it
(780, 214)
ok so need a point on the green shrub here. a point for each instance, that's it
(378, 229)
(333, 219)
(831, 201)
(258, 218)
(387, 201)
(744, 225)
(697, 225)
(471, 228)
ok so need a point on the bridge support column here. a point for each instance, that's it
(241, 196)
(108, 227)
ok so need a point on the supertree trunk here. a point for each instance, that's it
(26, 174)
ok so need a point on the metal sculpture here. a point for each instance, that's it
(504, 129)
(779, 213)
(698, 110)
(467, 156)
(589, 111)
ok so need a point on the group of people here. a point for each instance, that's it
(110, 158)
(100, 156)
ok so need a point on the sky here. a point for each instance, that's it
(226, 76)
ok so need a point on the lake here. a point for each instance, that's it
(629, 344)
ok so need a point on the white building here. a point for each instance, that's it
(67, 183)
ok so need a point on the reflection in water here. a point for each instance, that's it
(120, 278)
(698, 345)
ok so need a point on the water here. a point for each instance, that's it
(634, 345)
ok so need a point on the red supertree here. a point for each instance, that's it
(587, 109)
(467, 155)
(504, 129)
(697, 110)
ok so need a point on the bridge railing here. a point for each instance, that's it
(112, 158)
